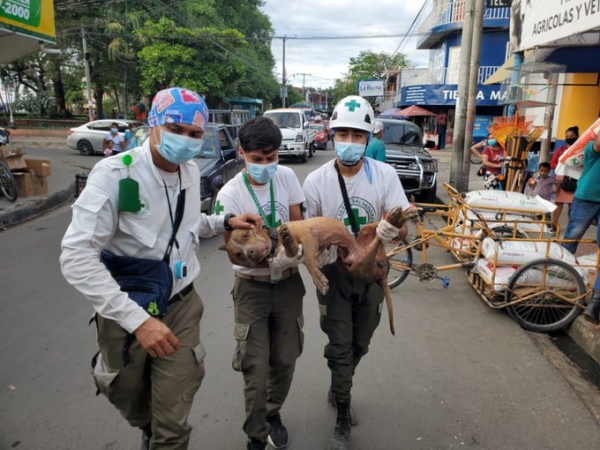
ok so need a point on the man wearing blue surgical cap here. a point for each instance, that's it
(150, 360)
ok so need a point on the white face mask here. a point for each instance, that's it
(349, 153)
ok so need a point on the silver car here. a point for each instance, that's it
(87, 139)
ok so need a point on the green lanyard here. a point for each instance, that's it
(273, 221)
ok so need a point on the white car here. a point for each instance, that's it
(87, 139)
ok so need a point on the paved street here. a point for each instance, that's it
(456, 374)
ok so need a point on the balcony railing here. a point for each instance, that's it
(453, 11)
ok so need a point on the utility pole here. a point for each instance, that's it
(86, 63)
(458, 178)
(472, 97)
(304, 75)
(283, 88)
(549, 117)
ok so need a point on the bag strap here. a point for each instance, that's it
(177, 222)
(351, 217)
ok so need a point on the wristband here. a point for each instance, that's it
(226, 222)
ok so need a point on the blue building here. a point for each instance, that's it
(435, 88)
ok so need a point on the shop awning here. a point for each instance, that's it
(505, 70)
(24, 26)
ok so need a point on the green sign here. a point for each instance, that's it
(28, 12)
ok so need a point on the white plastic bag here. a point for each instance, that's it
(500, 275)
(509, 201)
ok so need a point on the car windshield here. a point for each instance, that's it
(401, 133)
(284, 119)
(209, 148)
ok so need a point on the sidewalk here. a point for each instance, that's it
(61, 183)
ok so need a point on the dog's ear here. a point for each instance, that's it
(223, 247)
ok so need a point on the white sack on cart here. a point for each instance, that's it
(499, 275)
(554, 277)
(519, 252)
(523, 222)
(590, 261)
(508, 200)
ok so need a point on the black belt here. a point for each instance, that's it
(182, 293)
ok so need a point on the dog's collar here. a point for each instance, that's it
(273, 235)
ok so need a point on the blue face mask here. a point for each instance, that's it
(349, 152)
(492, 142)
(178, 149)
(114, 130)
(261, 173)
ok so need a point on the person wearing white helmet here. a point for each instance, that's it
(131, 250)
(357, 191)
(376, 147)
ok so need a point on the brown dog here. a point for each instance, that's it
(364, 258)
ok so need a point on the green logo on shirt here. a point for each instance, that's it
(153, 309)
(219, 208)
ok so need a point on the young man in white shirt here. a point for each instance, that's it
(267, 308)
(356, 190)
(150, 363)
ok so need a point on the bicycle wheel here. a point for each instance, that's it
(548, 289)
(400, 263)
(8, 185)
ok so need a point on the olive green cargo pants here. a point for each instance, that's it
(156, 391)
(350, 314)
(268, 330)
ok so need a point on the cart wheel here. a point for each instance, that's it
(400, 263)
(547, 290)
(507, 232)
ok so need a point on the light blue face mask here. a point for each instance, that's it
(178, 149)
(261, 173)
(114, 130)
(349, 152)
(492, 142)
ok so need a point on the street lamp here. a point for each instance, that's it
(9, 85)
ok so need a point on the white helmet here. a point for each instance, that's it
(353, 112)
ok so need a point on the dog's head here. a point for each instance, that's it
(248, 248)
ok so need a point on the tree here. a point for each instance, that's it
(367, 64)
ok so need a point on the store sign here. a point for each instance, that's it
(497, 4)
(541, 22)
(370, 88)
(447, 94)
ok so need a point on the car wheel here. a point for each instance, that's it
(311, 150)
(85, 147)
(213, 202)
(304, 157)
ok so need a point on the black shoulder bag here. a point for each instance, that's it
(351, 217)
(148, 282)
(569, 184)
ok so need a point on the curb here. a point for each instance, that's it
(587, 336)
(36, 207)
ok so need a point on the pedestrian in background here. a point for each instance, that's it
(477, 149)
(114, 136)
(376, 147)
(584, 211)
(151, 360)
(564, 195)
(544, 185)
(267, 300)
(110, 146)
(493, 160)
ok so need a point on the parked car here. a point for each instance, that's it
(87, 138)
(219, 160)
(415, 166)
(321, 137)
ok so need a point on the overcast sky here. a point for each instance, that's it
(326, 60)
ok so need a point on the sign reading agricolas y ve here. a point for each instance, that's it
(370, 88)
(542, 22)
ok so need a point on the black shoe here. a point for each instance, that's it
(353, 417)
(278, 436)
(146, 435)
(341, 434)
(592, 312)
(254, 444)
